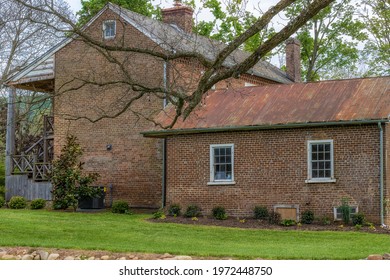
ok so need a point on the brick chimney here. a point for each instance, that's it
(293, 59)
(179, 15)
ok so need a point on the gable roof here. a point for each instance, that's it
(273, 106)
(168, 36)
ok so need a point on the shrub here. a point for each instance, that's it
(159, 215)
(2, 191)
(67, 177)
(358, 219)
(260, 212)
(219, 213)
(274, 218)
(2, 201)
(287, 223)
(120, 207)
(38, 203)
(174, 210)
(325, 221)
(192, 211)
(345, 210)
(307, 217)
(17, 202)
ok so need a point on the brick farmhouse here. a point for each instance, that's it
(87, 83)
(260, 139)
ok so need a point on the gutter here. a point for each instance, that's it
(165, 133)
(164, 144)
(381, 156)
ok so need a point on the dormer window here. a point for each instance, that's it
(109, 29)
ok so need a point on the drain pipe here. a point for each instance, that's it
(164, 143)
(381, 171)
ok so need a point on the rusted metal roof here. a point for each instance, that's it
(301, 103)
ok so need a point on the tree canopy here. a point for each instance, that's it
(214, 67)
(89, 8)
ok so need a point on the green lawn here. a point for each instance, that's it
(131, 233)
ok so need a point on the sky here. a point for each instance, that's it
(252, 4)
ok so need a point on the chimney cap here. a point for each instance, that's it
(178, 3)
(293, 40)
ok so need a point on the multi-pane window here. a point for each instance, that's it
(221, 162)
(338, 215)
(320, 165)
(109, 29)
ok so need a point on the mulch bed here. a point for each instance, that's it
(260, 224)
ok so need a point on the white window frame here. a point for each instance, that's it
(104, 29)
(247, 84)
(356, 209)
(330, 179)
(214, 181)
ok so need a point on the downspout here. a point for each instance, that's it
(164, 144)
(381, 172)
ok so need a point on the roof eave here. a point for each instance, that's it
(172, 132)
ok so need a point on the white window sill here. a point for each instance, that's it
(221, 183)
(314, 181)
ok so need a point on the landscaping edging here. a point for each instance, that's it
(28, 253)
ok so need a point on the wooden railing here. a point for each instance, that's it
(42, 171)
(23, 164)
(36, 160)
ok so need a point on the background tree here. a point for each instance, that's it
(329, 41)
(25, 34)
(230, 19)
(376, 18)
(214, 67)
(89, 8)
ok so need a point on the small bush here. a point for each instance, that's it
(307, 217)
(38, 203)
(120, 207)
(287, 223)
(174, 210)
(358, 219)
(159, 215)
(260, 213)
(192, 211)
(358, 227)
(2, 191)
(2, 201)
(274, 218)
(325, 221)
(345, 210)
(219, 213)
(17, 202)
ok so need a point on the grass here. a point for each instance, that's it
(131, 233)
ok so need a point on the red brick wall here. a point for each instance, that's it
(134, 165)
(270, 167)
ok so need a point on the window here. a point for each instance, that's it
(109, 29)
(320, 161)
(221, 164)
(338, 216)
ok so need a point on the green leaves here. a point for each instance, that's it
(69, 182)
(92, 7)
(329, 41)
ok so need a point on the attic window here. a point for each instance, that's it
(109, 29)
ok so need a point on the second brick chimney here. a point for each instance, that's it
(180, 15)
(293, 60)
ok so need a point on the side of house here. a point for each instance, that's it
(91, 87)
(290, 148)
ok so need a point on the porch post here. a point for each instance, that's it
(10, 136)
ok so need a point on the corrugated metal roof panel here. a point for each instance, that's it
(327, 101)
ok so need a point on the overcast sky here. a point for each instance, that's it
(252, 4)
